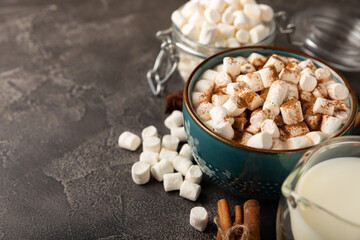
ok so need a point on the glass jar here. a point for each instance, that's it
(302, 219)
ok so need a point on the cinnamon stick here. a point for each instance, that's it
(224, 216)
(238, 220)
(252, 218)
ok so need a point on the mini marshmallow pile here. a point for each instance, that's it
(271, 102)
(161, 159)
(224, 23)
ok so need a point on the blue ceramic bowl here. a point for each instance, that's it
(247, 172)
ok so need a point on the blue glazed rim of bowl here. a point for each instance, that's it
(196, 73)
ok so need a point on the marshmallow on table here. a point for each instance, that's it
(323, 74)
(199, 218)
(170, 142)
(219, 99)
(235, 106)
(186, 151)
(140, 172)
(253, 129)
(129, 141)
(160, 169)
(151, 144)
(203, 112)
(190, 190)
(222, 79)
(219, 113)
(174, 120)
(275, 98)
(270, 127)
(313, 121)
(252, 11)
(278, 144)
(307, 82)
(191, 31)
(239, 123)
(330, 125)
(232, 66)
(257, 117)
(256, 59)
(258, 33)
(240, 20)
(172, 181)
(210, 75)
(267, 13)
(149, 131)
(181, 164)
(290, 76)
(212, 15)
(179, 133)
(307, 64)
(291, 112)
(320, 91)
(268, 75)
(276, 62)
(293, 92)
(228, 15)
(198, 97)
(252, 80)
(150, 158)
(204, 86)
(242, 36)
(194, 174)
(299, 142)
(224, 129)
(324, 106)
(338, 91)
(316, 137)
(226, 30)
(297, 129)
(232, 43)
(208, 33)
(178, 19)
(260, 140)
(168, 155)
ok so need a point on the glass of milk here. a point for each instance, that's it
(321, 196)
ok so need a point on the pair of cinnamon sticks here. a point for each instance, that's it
(251, 219)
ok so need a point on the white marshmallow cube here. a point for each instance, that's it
(252, 11)
(268, 75)
(190, 8)
(224, 129)
(226, 30)
(276, 62)
(235, 106)
(276, 96)
(245, 137)
(191, 31)
(240, 20)
(178, 19)
(232, 43)
(199, 218)
(208, 33)
(252, 99)
(190, 190)
(267, 13)
(252, 129)
(320, 91)
(307, 83)
(150, 158)
(160, 169)
(232, 66)
(278, 144)
(182, 164)
(194, 174)
(324, 106)
(203, 111)
(204, 86)
(307, 64)
(219, 100)
(298, 129)
(174, 120)
(172, 181)
(330, 125)
(210, 75)
(197, 19)
(247, 68)
(236, 88)
(270, 127)
(212, 15)
(140, 173)
(291, 112)
(298, 142)
(261, 140)
(170, 142)
(253, 80)
(129, 141)
(220, 43)
(218, 4)
(290, 76)
(186, 151)
(258, 33)
(179, 133)
(293, 92)
(222, 79)
(152, 144)
(342, 115)
(323, 74)
(242, 36)
(149, 131)
(256, 59)
(257, 117)
(338, 91)
(316, 137)
(228, 15)
(167, 154)
(219, 113)
(199, 97)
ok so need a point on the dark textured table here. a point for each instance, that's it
(72, 78)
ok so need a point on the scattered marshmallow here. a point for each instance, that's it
(179, 133)
(316, 137)
(199, 218)
(261, 140)
(291, 112)
(149, 131)
(186, 151)
(330, 125)
(270, 127)
(182, 164)
(190, 190)
(172, 181)
(160, 169)
(129, 141)
(194, 174)
(324, 106)
(140, 173)
(174, 120)
(170, 142)
(338, 91)
(167, 154)
(152, 144)
(299, 142)
(150, 158)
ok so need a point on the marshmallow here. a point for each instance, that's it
(170, 142)
(307, 71)
(220, 43)
(297, 129)
(160, 169)
(167, 154)
(270, 127)
(299, 142)
(307, 83)
(257, 117)
(151, 144)
(316, 137)
(293, 60)
(204, 86)
(243, 2)
(190, 190)
(232, 66)
(181, 164)
(268, 75)
(260, 140)
(276, 62)
(129, 141)
(253, 129)
(232, 43)
(341, 105)
(222, 79)
(252, 99)
(232, 4)
(218, 4)
(219, 100)
(252, 11)
(240, 20)
(324, 106)
(210, 75)
(198, 97)
(258, 33)
(199, 218)
(228, 15)
(149, 131)
(179, 133)
(278, 144)
(219, 68)
(247, 68)
(226, 30)
(190, 8)
(224, 129)
(236, 88)
(313, 121)
(253, 80)
(307, 64)
(150, 158)
(342, 115)
(239, 123)
(172, 181)
(267, 13)
(242, 36)
(191, 31)
(203, 112)
(330, 125)
(256, 59)
(212, 15)
(245, 136)
(194, 174)
(186, 151)
(174, 120)
(291, 112)
(208, 33)
(307, 97)
(277, 93)
(293, 92)
(290, 76)
(320, 91)
(293, 66)
(178, 19)
(140, 173)
(338, 91)
(323, 74)
(235, 106)
(197, 19)
(252, 22)
(219, 113)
